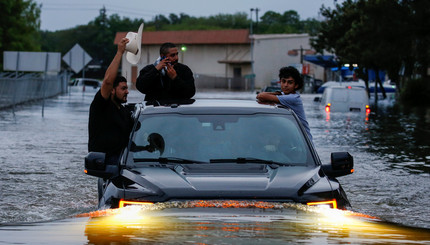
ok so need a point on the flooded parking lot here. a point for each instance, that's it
(42, 177)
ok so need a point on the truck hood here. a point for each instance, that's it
(227, 181)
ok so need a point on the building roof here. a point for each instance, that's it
(278, 36)
(237, 36)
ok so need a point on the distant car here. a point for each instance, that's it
(359, 83)
(271, 89)
(345, 99)
(219, 150)
(84, 84)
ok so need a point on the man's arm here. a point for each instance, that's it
(148, 79)
(183, 85)
(112, 70)
(268, 97)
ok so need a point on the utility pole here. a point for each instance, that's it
(256, 19)
(250, 28)
(252, 52)
(103, 50)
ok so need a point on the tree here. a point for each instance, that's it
(288, 22)
(419, 25)
(291, 17)
(372, 34)
(160, 21)
(19, 26)
(174, 19)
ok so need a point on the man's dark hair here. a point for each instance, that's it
(164, 49)
(290, 71)
(117, 80)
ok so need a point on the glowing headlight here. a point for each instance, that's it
(330, 204)
(123, 203)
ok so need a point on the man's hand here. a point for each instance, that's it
(161, 64)
(122, 44)
(171, 72)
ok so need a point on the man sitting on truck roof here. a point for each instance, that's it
(291, 83)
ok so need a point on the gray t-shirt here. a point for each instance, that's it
(294, 102)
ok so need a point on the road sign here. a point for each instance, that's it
(31, 61)
(77, 58)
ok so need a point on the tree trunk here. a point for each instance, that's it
(366, 82)
(378, 81)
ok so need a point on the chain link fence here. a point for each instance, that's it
(19, 88)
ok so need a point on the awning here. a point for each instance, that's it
(325, 61)
(239, 56)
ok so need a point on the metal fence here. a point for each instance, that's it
(19, 88)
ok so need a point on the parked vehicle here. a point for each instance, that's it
(273, 87)
(84, 84)
(359, 83)
(345, 99)
(219, 150)
(270, 89)
(389, 87)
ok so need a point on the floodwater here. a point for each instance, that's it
(45, 197)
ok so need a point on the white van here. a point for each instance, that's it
(345, 99)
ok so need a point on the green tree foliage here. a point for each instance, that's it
(419, 28)
(97, 37)
(186, 22)
(19, 26)
(288, 22)
(381, 35)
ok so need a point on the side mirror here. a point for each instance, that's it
(95, 165)
(342, 163)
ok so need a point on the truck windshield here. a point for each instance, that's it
(204, 137)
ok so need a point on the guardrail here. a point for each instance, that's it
(19, 88)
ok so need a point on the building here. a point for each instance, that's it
(273, 51)
(210, 54)
(223, 58)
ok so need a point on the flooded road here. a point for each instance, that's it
(42, 179)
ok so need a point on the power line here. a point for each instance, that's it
(111, 8)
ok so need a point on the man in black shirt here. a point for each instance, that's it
(166, 79)
(110, 123)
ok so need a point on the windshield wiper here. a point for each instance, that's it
(242, 160)
(166, 160)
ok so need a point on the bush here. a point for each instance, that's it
(416, 92)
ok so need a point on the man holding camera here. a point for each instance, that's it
(166, 79)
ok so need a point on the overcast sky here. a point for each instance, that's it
(64, 14)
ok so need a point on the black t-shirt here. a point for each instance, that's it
(108, 127)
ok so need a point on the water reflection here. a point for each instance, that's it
(402, 136)
(391, 158)
(275, 224)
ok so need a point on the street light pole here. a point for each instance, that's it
(256, 19)
(250, 28)
(252, 52)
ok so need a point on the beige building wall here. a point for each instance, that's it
(270, 53)
(211, 60)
